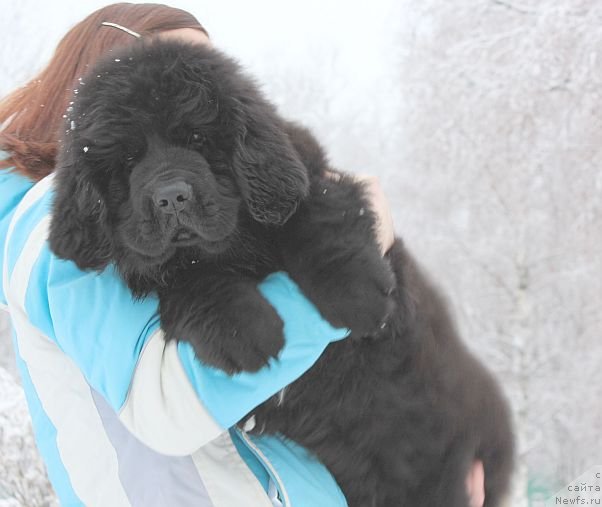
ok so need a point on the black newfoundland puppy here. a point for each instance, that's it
(176, 169)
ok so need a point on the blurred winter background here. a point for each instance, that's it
(483, 120)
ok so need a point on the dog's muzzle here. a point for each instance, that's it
(173, 197)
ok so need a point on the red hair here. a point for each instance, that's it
(32, 116)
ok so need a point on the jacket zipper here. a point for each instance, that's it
(266, 462)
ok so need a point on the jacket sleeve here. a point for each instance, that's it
(165, 397)
(12, 189)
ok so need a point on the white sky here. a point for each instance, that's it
(327, 64)
(284, 30)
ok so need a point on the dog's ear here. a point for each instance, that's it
(78, 229)
(271, 177)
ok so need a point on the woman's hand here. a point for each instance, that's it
(475, 481)
(475, 484)
(385, 235)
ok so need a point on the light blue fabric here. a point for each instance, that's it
(228, 398)
(66, 304)
(45, 434)
(94, 320)
(24, 226)
(307, 482)
(12, 189)
(252, 461)
(59, 295)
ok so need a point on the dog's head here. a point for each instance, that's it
(166, 145)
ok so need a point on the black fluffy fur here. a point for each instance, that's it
(399, 411)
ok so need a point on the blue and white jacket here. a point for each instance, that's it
(123, 418)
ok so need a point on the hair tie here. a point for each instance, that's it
(126, 30)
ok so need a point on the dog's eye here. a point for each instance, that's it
(130, 160)
(196, 138)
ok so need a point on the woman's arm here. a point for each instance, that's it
(163, 395)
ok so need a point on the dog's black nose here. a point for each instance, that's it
(173, 197)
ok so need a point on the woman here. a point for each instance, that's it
(121, 417)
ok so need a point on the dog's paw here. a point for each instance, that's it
(245, 338)
(365, 300)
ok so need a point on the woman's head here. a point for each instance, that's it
(31, 116)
